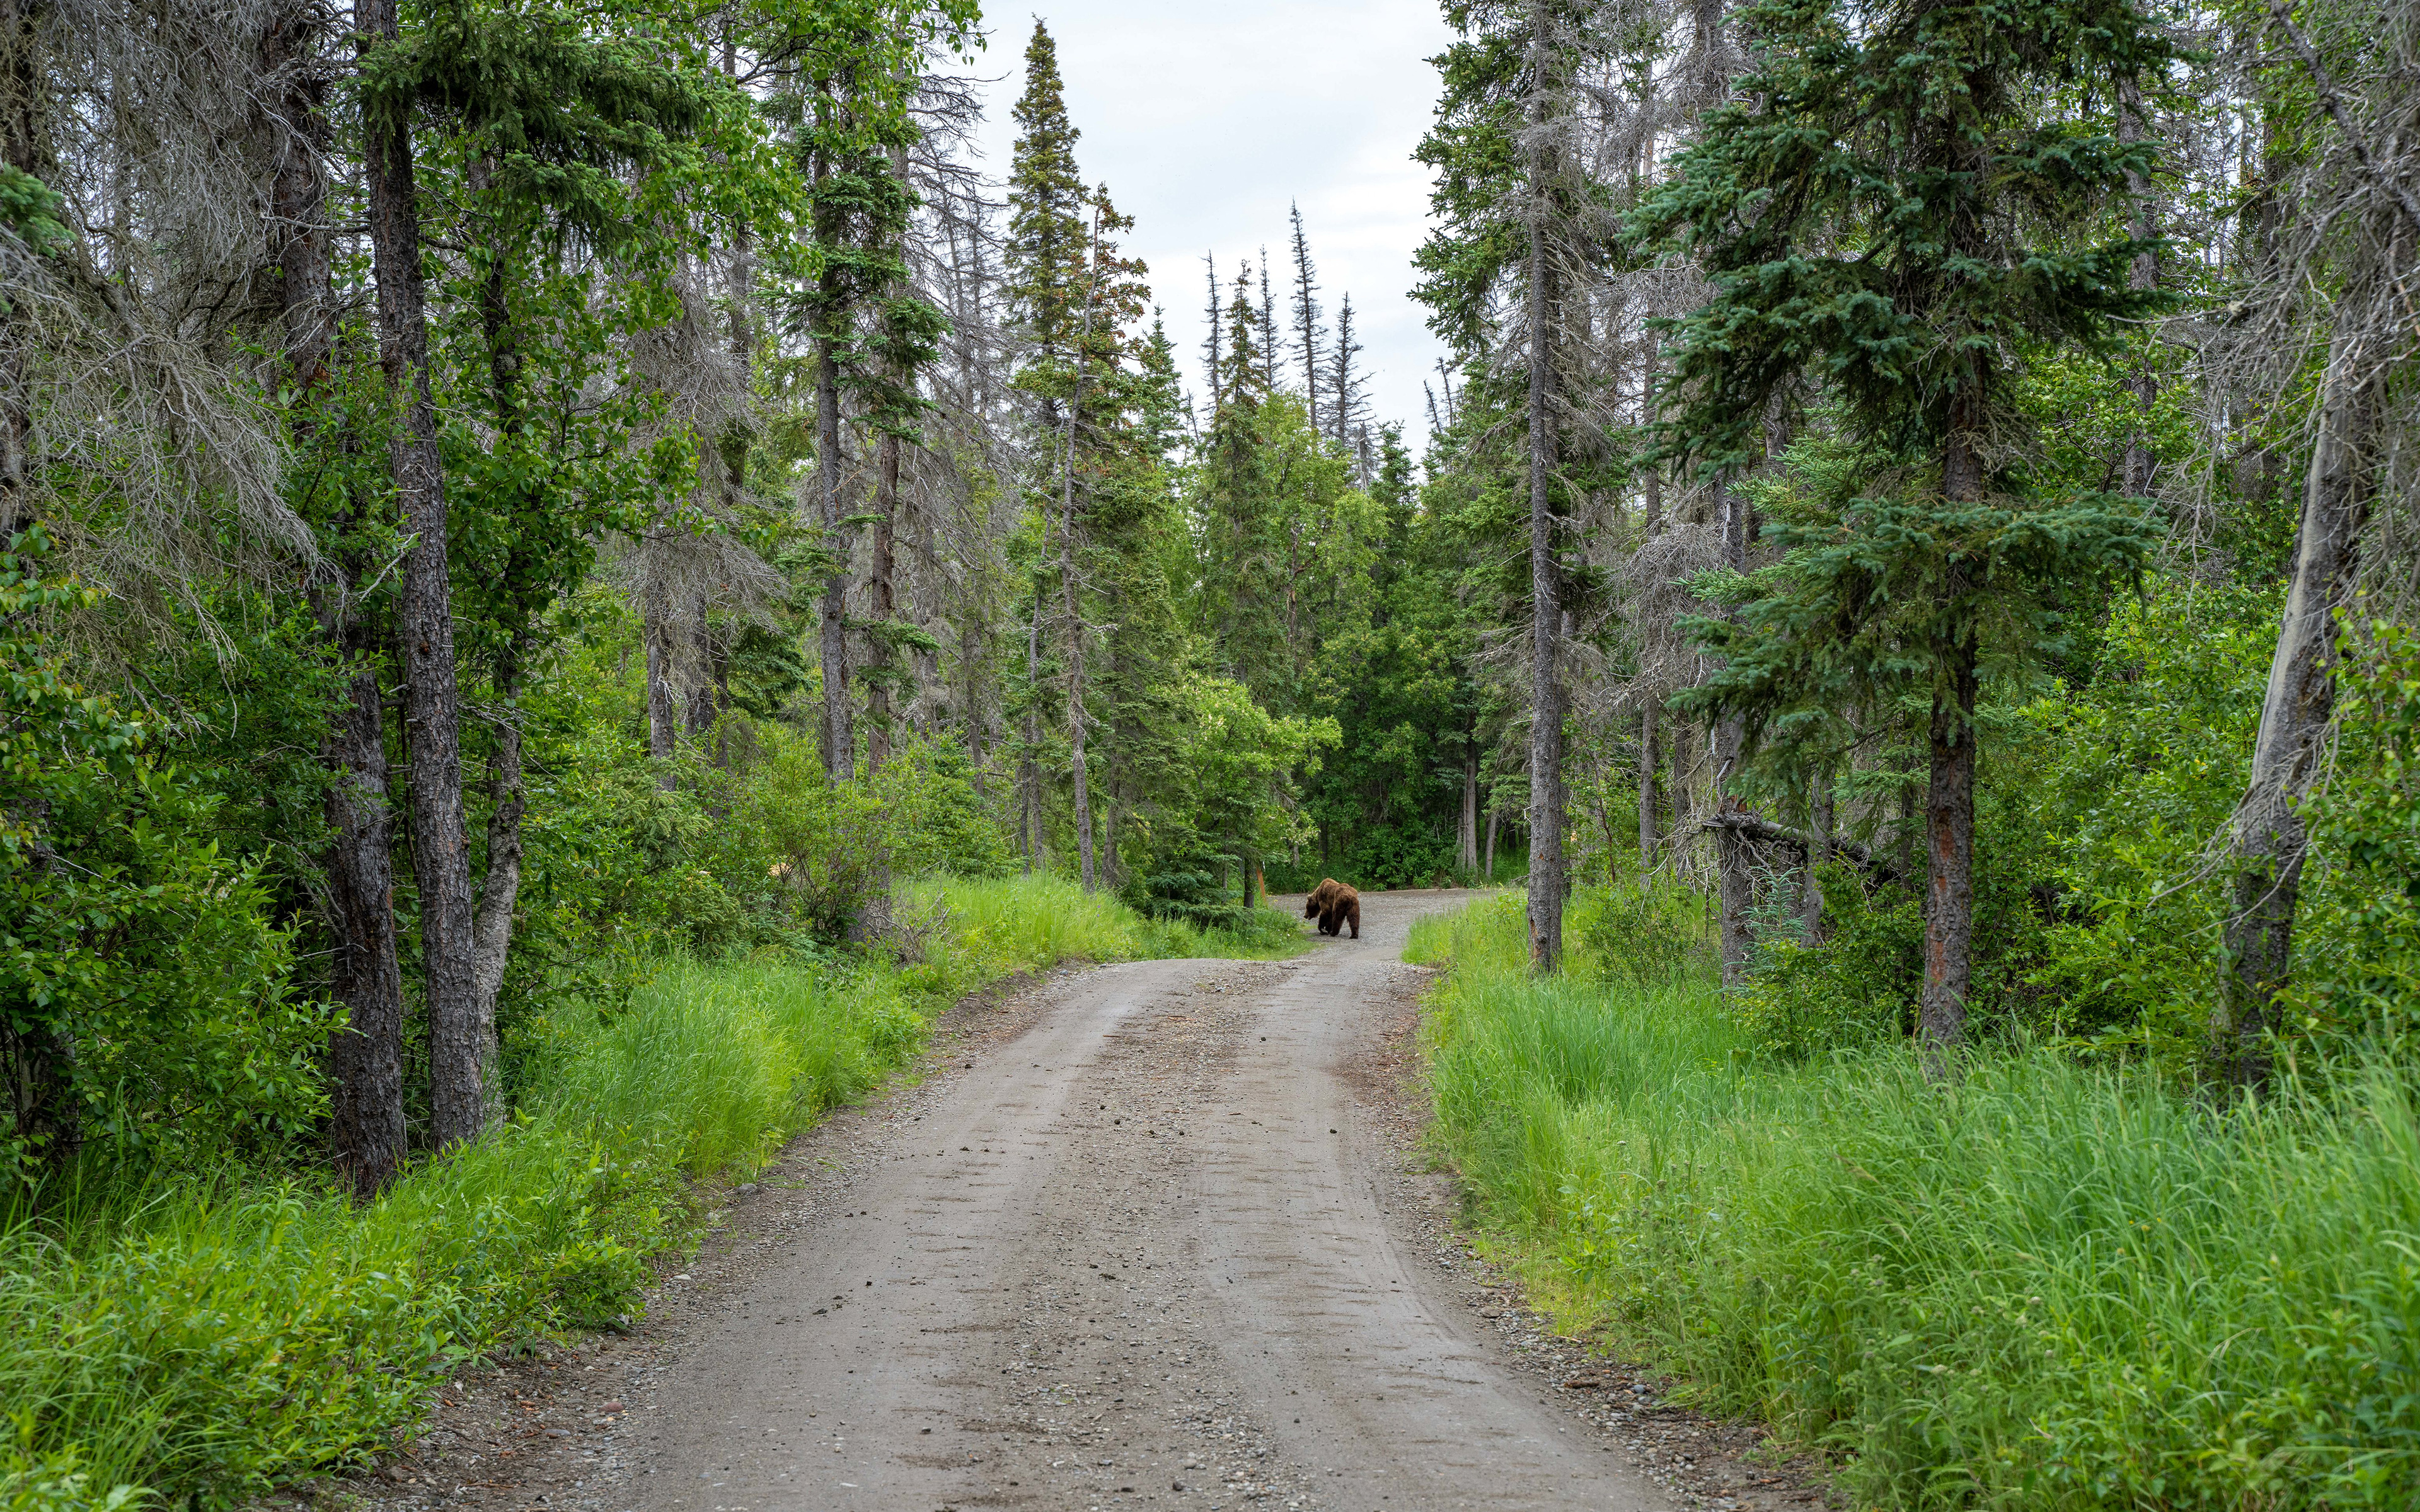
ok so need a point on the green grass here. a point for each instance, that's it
(197, 1344)
(2043, 1287)
(1022, 923)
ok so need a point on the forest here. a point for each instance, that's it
(577, 570)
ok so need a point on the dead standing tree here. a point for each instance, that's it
(2358, 240)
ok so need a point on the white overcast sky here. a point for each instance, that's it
(1205, 119)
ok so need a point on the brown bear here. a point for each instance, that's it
(1315, 905)
(1344, 908)
(1336, 906)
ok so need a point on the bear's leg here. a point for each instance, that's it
(1356, 916)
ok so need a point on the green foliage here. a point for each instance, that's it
(207, 1338)
(1645, 931)
(2041, 1287)
(1884, 589)
(145, 1002)
(1913, 199)
(32, 211)
(2097, 917)
(2361, 941)
(1857, 989)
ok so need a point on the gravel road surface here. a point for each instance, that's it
(1143, 1236)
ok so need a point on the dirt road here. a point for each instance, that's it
(1146, 1236)
(1133, 1255)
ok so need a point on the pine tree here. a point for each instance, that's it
(1306, 342)
(1266, 317)
(1075, 295)
(1520, 229)
(1348, 411)
(1891, 212)
(1214, 337)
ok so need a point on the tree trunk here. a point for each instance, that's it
(1819, 851)
(1950, 792)
(1076, 718)
(460, 1059)
(1028, 777)
(365, 1060)
(2267, 845)
(365, 1056)
(1680, 769)
(2142, 274)
(880, 596)
(1949, 853)
(663, 698)
(1735, 880)
(23, 96)
(840, 755)
(1546, 571)
(1465, 848)
(1646, 788)
(1070, 592)
(1488, 866)
(699, 707)
(499, 890)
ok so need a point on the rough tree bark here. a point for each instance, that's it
(1735, 882)
(499, 890)
(880, 599)
(459, 1059)
(1545, 569)
(1465, 848)
(1950, 789)
(1734, 876)
(1651, 525)
(365, 1064)
(21, 149)
(1072, 606)
(831, 631)
(1819, 851)
(2267, 844)
(1028, 777)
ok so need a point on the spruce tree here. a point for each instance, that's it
(1348, 405)
(1894, 209)
(1075, 295)
(1306, 314)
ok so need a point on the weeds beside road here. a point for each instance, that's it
(166, 1342)
(2045, 1287)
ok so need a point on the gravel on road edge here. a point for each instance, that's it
(1719, 1465)
(533, 1431)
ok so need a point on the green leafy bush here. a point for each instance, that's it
(146, 1006)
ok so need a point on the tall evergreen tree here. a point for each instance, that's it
(1306, 342)
(1889, 211)
(1074, 296)
(1348, 402)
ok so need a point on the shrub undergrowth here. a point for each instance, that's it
(197, 1341)
(2046, 1285)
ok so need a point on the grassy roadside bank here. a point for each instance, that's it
(187, 1345)
(2043, 1288)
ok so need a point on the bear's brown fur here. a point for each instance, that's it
(1336, 906)
(1316, 906)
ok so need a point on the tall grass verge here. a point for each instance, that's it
(2042, 1287)
(194, 1344)
(1027, 922)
